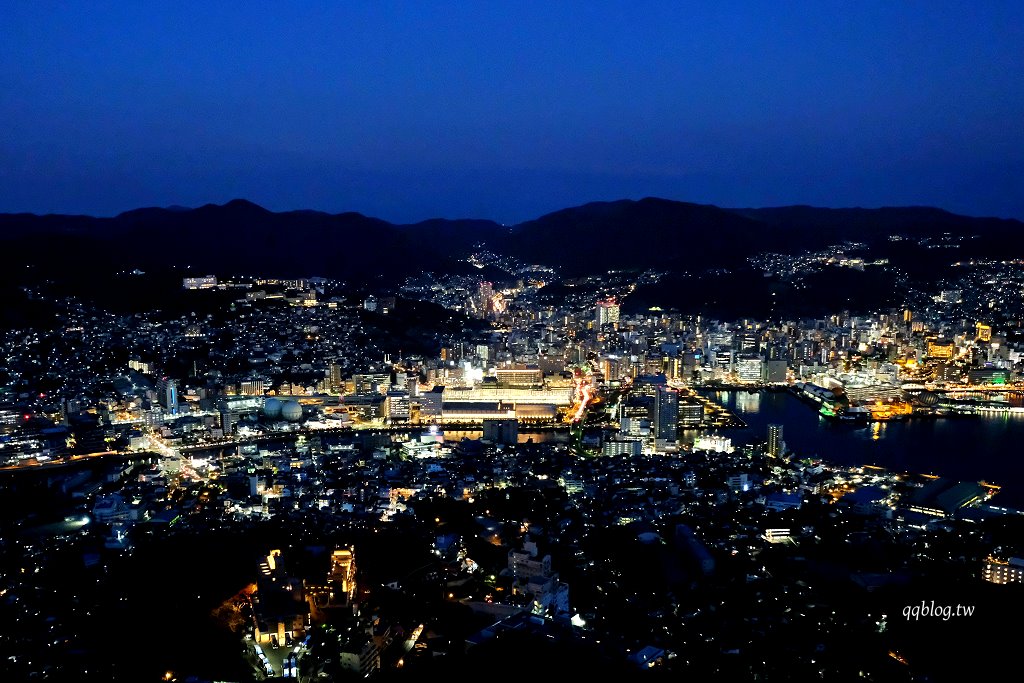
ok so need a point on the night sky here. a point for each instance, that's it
(507, 110)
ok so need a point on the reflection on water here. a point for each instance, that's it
(524, 437)
(983, 448)
(748, 402)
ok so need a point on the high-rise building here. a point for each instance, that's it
(691, 413)
(666, 414)
(607, 312)
(396, 406)
(485, 299)
(648, 385)
(228, 419)
(984, 332)
(776, 446)
(940, 349)
(611, 367)
(749, 369)
(773, 371)
(372, 383)
(140, 366)
(167, 394)
(747, 341)
(334, 371)
(412, 382)
(431, 403)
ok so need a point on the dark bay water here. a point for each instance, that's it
(989, 448)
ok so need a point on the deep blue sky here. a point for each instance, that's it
(506, 110)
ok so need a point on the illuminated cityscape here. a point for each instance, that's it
(469, 386)
(509, 461)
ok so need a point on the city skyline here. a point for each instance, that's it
(647, 487)
(398, 341)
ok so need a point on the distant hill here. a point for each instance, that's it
(649, 233)
(879, 224)
(235, 237)
(240, 236)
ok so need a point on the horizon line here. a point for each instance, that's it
(234, 200)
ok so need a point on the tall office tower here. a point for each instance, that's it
(334, 371)
(666, 414)
(167, 394)
(228, 420)
(611, 367)
(776, 446)
(606, 312)
(485, 298)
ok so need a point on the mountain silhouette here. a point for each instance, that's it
(243, 237)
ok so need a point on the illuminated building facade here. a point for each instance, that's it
(714, 443)
(520, 377)
(776, 446)
(940, 349)
(613, 368)
(342, 578)
(606, 313)
(372, 383)
(749, 369)
(485, 299)
(280, 613)
(691, 413)
(555, 396)
(167, 394)
(396, 406)
(1003, 571)
(534, 576)
(253, 386)
(666, 414)
(206, 282)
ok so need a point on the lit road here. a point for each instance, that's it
(587, 392)
(60, 462)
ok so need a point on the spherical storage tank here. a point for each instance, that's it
(272, 408)
(291, 411)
